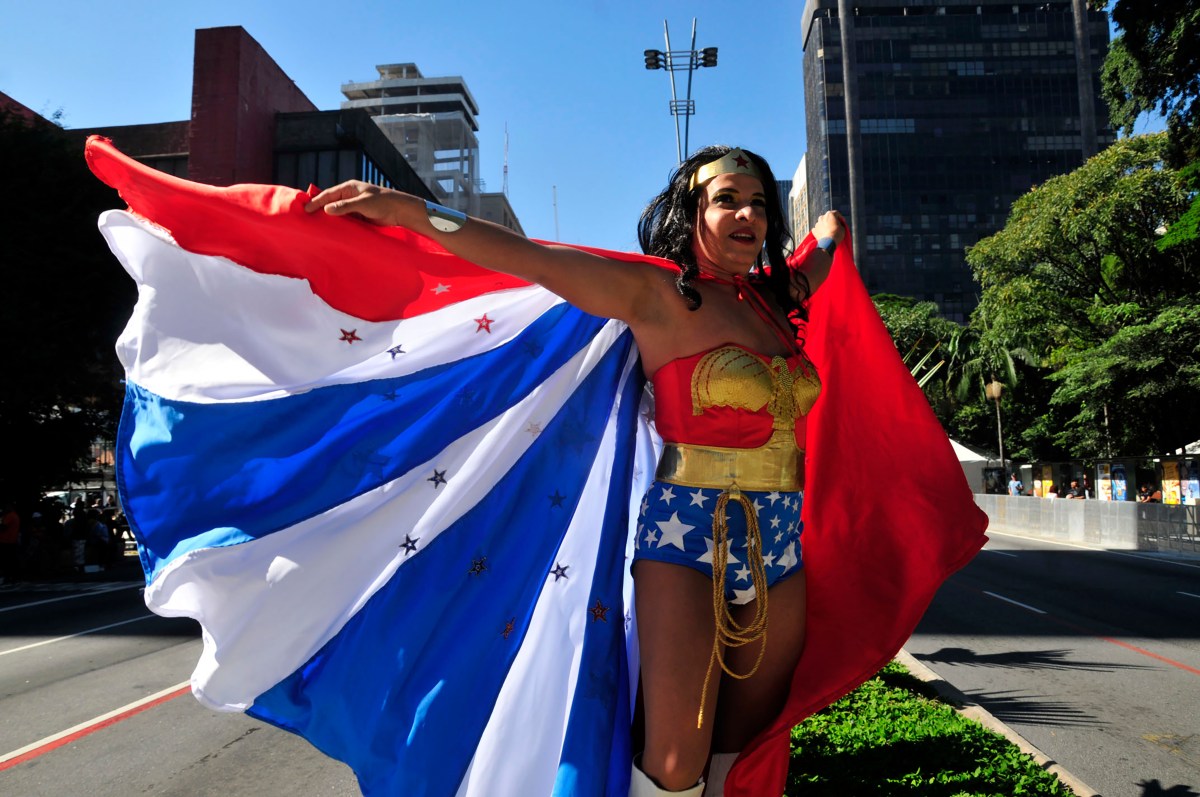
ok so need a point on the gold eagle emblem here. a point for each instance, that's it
(734, 377)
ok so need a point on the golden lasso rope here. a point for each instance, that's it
(729, 633)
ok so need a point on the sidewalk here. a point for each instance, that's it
(973, 711)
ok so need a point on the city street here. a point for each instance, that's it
(1093, 656)
(91, 666)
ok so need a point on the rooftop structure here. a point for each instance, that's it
(431, 121)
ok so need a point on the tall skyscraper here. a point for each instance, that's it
(961, 106)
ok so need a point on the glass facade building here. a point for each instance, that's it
(962, 108)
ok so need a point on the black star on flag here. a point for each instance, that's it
(410, 544)
(438, 478)
(560, 571)
(556, 499)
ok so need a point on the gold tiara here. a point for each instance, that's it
(733, 162)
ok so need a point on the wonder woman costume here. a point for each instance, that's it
(483, 587)
(733, 426)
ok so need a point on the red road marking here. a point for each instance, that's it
(1086, 632)
(79, 731)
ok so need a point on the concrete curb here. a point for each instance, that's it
(973, 711)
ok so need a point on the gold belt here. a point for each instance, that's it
(777, 465)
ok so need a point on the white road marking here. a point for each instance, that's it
(1097, 549)
(93, 724)
(72, 636)
(1190, 595)
(1002, 553)
(72, 597)
(1013, 602)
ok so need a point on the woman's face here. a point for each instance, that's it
(732, 223)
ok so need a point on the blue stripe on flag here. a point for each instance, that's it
(395, 694)
(596, 752)
(194, 475)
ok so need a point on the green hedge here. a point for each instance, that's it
(893, 736)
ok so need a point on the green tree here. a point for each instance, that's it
(1078, 278)
(1154, 65)
(66, 299)
(924, 339)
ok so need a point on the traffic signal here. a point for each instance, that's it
(708, 56)
(654, 59)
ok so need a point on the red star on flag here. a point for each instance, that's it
(485, 324)
(349, 336)
(599, 611)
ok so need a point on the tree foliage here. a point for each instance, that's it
(1078, 279)
(1154, 65)
(66, 299)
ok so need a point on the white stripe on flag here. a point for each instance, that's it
(249, 596)
(207, 329)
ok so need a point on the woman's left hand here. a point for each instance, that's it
(830, 225)
(377, 205)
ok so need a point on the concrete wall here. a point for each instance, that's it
(1109, 524)
(236, 91)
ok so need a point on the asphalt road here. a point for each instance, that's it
(1093, 656)
(70, 655)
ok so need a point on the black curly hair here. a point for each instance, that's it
(668, 224)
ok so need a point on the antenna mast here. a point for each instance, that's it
(554, 188)
(504, 188)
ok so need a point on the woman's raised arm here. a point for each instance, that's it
(595, 284)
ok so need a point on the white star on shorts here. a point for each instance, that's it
(707, 556)
(787, 559)
(673, 531)
(742, 596)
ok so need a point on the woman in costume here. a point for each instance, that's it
(719, 535)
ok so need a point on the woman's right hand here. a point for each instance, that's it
(382, 206)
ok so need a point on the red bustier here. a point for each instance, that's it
(732, 397)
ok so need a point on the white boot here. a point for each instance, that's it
(640, 785)
(718, 767)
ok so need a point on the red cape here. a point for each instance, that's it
(888, 514)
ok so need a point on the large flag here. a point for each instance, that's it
(395, 490)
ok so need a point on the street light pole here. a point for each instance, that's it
(674, 61)
(993, 390)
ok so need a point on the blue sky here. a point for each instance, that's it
(583, 113)
(584, 116)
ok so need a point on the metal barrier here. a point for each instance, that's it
(1108, 524)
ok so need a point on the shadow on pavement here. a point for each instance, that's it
(1022, 659)
(1152, 788)
(1013, 707)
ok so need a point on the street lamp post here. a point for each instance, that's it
(993, 390)
(675, 61)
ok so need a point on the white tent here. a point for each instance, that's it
(972, 463)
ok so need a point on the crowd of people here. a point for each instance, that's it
(53, 539)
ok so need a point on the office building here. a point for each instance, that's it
(431, 121)
(961, 107)
(250, 123)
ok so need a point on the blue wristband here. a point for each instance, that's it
(827, 245)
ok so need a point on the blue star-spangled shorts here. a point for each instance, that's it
(675, 525)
